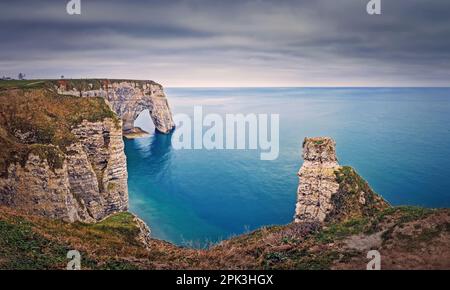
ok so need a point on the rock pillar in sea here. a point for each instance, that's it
(317, 179)
(328, 191)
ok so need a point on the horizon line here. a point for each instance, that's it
(300, 87)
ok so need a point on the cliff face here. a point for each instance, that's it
(97, 169)
(62, 157)
(61, 148)
(91, 183)
(328, 191)
(127, 98)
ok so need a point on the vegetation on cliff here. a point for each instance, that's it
(354, 198)
(35, 119)
(70, 84)
(406, 237)
(28, 242)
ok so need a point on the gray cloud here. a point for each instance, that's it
(231, 43)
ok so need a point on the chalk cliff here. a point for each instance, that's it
(61, 148)
(128, 98)
(328, 191)
(90, 183)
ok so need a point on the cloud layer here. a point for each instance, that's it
(231, 43)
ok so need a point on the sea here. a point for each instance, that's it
(398, 139)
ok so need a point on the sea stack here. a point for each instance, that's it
(328, 191)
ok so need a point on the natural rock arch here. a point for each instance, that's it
(128, 98)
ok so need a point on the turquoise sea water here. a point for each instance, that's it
(397, 139)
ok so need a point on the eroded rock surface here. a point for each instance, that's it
(128, 98)
(90, 184)
(328, 191)
(61, 148)
(61, 156)
(97, 168)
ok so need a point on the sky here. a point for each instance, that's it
(230, 43)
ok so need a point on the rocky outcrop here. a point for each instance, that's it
(61, 148)
(97, 168)
(128, 98)
(90, 183)
(36, 189)
(144, 232)
(328, 191)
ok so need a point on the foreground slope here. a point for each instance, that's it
(406, 237)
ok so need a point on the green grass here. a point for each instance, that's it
(403, 214)
(339, 231)
(78, 84)
(22, 84)
(317, 261)
(21, 248)
(122, 223)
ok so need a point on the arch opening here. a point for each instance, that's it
(144, 121)
(141, 125)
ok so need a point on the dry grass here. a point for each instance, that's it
(411, 238)
(40, 121)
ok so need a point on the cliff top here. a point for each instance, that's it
(320, 149)
(79, 84)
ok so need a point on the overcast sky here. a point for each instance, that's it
(230, 43)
